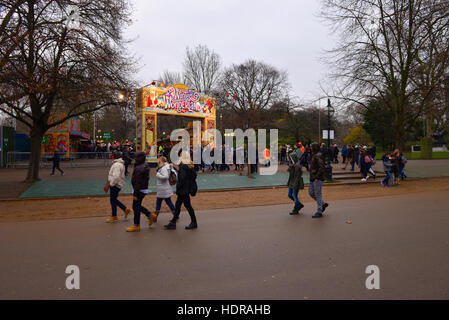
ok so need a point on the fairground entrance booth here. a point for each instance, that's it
(177, 100)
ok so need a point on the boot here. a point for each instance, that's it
(170, 226)
(133, 229)
(192, 225)
(112, 219)
(157, 215)
(127, 211)
(295, 211)
(317, 215)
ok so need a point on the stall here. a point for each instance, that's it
(65, 137)
(176, 100)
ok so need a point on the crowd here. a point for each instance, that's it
(183, 174)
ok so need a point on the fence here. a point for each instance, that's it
(74, 160)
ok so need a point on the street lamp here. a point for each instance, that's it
(330, 113)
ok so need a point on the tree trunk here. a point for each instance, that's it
(35, 157)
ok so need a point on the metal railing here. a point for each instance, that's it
(73, 160)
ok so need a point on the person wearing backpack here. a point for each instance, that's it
(366, 163)
(185, 187)
(166, 177)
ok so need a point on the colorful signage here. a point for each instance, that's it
(177, 99)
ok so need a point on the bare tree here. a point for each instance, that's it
(60, 68)
(252, 87)
(170, 77)
(380, 48)
(201, 68)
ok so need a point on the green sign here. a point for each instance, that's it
(107, 136)
(44, 140)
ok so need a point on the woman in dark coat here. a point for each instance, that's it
(185, 186)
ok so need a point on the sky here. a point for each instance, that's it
(287, 34)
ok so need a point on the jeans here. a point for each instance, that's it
(167, 201)
(293, 195)
(113, 197)
(401, 171)
(387, 178)
(183, 199)
(138, 208)
(315, 193)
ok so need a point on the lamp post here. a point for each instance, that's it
(330, 113)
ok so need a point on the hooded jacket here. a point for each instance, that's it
(141, 173)
(295, 180)
(116, 175)
(164, 189)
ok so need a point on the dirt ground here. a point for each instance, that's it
(31, 210)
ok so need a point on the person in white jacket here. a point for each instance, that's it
(116, 180)
(164, 189)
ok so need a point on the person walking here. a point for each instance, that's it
(295, 180)
(139, 180)
(56, 163)
(317, 172)
(387, 166)
(116, 180)
(344, 152)
(185, 187)
(349, 156)
(164, 189)
(365, 165)
(126, 159)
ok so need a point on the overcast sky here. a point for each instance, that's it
(284, 33)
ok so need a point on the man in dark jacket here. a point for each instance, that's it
(140, 180)
(56, 162)
(295, 181)
(317, 172)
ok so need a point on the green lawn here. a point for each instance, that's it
(417, 155)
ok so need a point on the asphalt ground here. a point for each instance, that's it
(241, 253)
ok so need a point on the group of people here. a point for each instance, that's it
(167, 175)
(317, 177)
(393, 165)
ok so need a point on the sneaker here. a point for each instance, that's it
(325, 205)
(152, 218)
(317, 215)
(127, 211)
(52, 174)
(363, 180)
(382, 184)
(133, 229)
(63, 174)
(112, 219)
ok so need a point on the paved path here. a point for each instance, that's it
(248, 253)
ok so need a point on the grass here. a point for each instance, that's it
(417, 155)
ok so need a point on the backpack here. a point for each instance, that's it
(368, 159)
(173, 178)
